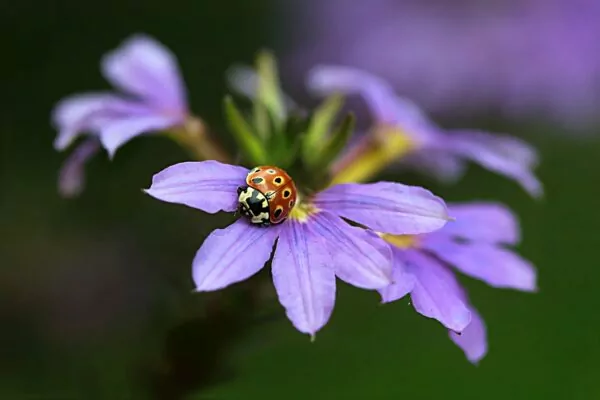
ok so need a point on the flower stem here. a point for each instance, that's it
(197, 351)
(193, 136)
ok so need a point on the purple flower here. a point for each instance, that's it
(313, 246)
(520, 58)
(439, 152)
(153, 99)
(474, 244)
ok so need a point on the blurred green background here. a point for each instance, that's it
(95, 293)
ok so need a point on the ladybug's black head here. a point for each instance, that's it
(253, 205)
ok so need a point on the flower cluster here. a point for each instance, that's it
(397, 239)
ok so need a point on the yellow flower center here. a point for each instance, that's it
(302, 210)
(385, 145)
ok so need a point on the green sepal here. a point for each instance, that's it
(263, 121)
(334, 145)
(319, 127)
(269, 90)
(295, 128)
(284, 145)
(294, 133)
(250, 144)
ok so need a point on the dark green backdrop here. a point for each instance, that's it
(95, 293)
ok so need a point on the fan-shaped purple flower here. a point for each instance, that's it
(439, 152)
(313, 246)
(153, 99)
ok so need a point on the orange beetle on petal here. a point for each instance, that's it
(269, 196)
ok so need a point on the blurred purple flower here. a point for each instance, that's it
(520, 57)
(439, 152)
(474, 245)
(314, 245)
(154, 99)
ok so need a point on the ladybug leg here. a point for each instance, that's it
(237, 211)
(265, 224)
(240, 210)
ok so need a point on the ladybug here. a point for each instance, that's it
(268, 197)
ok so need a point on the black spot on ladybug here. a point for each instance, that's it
(255, 170)
(278, 180)
(257, 180)
(292, 202)
(271, 171)
(286, 194)
(278, 212)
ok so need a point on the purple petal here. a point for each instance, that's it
(232, 255)
(72, 115)
(358, 257)
(303, 277)
(494, 265)
(404, 281)
(439, 164)
(325, 80)
(207, 185)
(436, 293)
(117, 132)
(482, 222)
(144, 67)
(380, 97)
(386, 207)
(504, 155)
(473, 339)
(71, 178)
